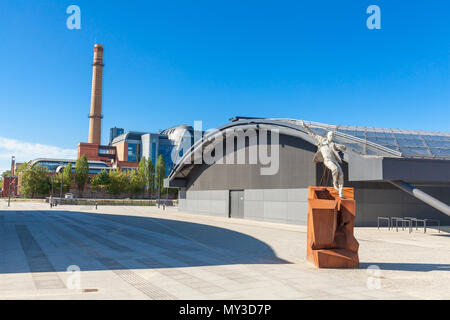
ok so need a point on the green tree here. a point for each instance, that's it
(160, 173)
(55, 182)
(34, 180)
(136, 178)
(67, 177)
(118, 182)
(150, 176)
(6, 173)
(81, 172)
(100, 181)
(146, 166)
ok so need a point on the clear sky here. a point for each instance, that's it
(174, 62)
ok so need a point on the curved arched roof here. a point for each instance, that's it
(65, 161)
(129, 135)
(362, 141)
(181, 127)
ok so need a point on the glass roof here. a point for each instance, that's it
(403, 143)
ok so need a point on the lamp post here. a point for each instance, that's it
(159, 186)
(60, 191)
(167, 197)
(52, 178)
(11, 177)
(9, 190)
(59, 169)
(51, 196)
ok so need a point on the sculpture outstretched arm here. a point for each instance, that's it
(308, 130)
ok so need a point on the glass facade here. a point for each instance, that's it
(166, 151)
(152, 145)
(132, 152)
(52, 165)
(154, 152)
(114, 132)
(403, 143)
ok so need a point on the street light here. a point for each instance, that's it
(11, 177)
(167, 197)
(59, 169)
(159, 186)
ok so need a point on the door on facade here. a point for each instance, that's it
(236, 204)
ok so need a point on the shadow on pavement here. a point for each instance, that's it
(49, 241)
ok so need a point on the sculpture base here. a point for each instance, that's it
(331, 243)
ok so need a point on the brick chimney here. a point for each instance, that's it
(95, 117)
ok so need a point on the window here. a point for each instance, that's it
(132, 152)
(154, 153)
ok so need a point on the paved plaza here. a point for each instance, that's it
(150, 253)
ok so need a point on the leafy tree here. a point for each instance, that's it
(148, 169)
(67, 177)
(136, 180)
(150, 176)
(55, 180)
(45, 186)
(118, 182)
(160, 173)
(34, 180)
(6, 173)
(100, 181)
(81, 172)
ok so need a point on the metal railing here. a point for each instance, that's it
(384, 218)
(113, 202)
(408, 222)
(403, 221)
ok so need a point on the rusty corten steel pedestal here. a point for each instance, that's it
(331, 243)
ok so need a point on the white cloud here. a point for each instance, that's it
(26, 151)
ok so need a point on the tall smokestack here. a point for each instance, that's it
(95, 117)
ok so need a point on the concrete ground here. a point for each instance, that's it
(150, 253)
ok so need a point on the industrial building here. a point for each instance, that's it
(392, 171)
(132, 146)
(126, 149)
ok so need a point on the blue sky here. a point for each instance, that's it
(173, 62)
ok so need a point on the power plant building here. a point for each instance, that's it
(126, 149)
(132, 146)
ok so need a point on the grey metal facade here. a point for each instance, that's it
(283, 197)
(296, 170)
(273, 205)
(377, 162)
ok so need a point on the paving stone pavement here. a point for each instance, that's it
(151, 253)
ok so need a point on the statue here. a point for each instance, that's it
(328, 153)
